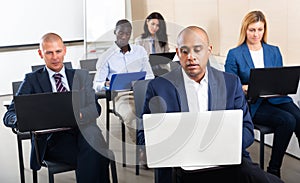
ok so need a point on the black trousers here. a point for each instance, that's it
(246, 172)
(85, 149)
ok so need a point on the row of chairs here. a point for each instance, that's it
(139, 90)
(52, 167)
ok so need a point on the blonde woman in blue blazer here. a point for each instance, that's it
(279, 113)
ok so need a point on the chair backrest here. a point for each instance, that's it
(15, 86)
(36, 67)
(174, 65)
(89, 64)
(139, 92)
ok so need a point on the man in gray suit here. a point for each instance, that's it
(193, 87)
(84, 146)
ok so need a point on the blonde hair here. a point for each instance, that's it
(252, 17)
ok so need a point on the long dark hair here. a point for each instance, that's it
(161, 34)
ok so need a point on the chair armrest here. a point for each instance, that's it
(40, 132)
(6, 103)
(101, 94)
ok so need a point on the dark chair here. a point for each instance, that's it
(174, 65)
(139, 92)
(36, 67)
(113, 169)
(263, 130)
(110, 96)
(22, 136)
(90, 65)
(58, 167)
(53, 167)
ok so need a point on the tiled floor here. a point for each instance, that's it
(9, 170)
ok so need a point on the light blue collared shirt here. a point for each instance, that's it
(114, 61)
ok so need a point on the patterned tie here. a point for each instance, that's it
(59, 86)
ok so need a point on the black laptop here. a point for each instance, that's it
(46, 111)
(275, 81)
(161, 58)
(160, 62)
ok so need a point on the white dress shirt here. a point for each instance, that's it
(114, 61)
(64, 79)
(197, 93)
(197, 98)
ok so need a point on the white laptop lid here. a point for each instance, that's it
(207, 138)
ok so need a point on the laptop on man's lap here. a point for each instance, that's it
(187, 139)
(47, 111)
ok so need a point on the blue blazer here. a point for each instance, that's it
(239, 62)
(225, 92)
(38, 82)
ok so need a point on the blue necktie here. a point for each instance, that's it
(153, 46)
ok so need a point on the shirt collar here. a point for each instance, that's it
(62, 72)
(188, 80)
(118, 48)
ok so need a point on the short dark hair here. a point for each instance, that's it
(124, 23)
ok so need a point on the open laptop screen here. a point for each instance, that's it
(193, 139)
(46, 110)
(273, 81)
(123, 81)
(160, 62)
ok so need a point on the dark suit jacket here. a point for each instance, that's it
(38, 82)
(239, 62)
(225, 92)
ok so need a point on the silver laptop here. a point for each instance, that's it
(187, 139)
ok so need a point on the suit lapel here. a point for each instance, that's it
(247, 56)
(268, 62)
(43, 79)
(217, 90)
(70, 76)
(179, 86)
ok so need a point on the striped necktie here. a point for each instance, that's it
(59, 86)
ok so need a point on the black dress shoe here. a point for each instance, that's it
(274, 171)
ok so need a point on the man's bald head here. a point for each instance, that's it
(50, 37)
(193, 31)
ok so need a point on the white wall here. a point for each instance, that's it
(222, 20)
(23, 22)
(15, 64)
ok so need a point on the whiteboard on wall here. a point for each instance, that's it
(23, 22)
(101, 18)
